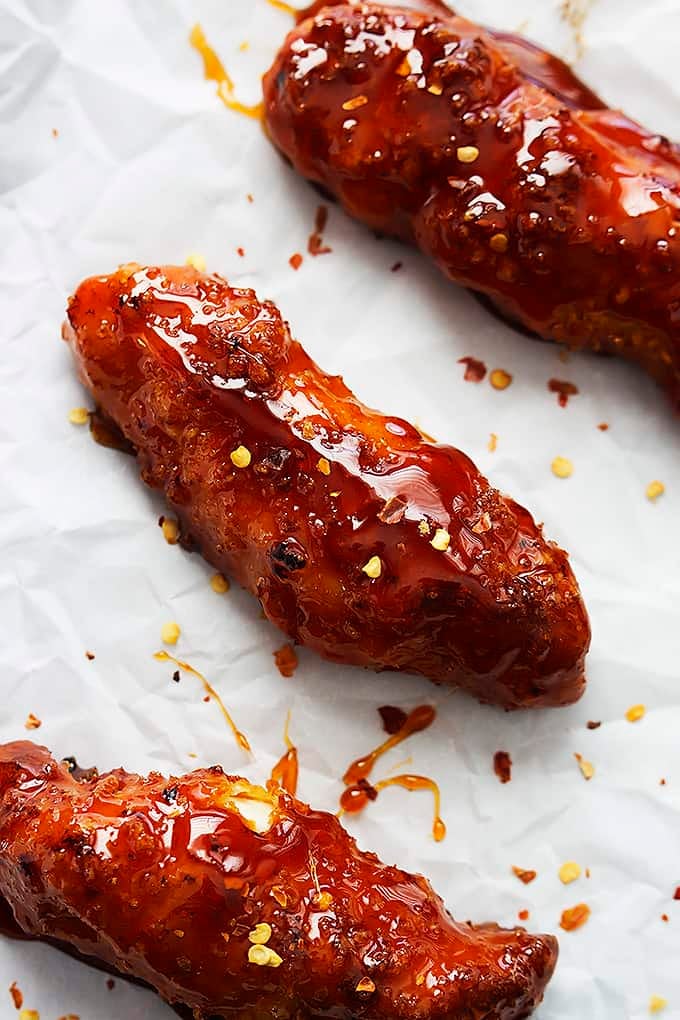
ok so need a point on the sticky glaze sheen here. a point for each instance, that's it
(163, 879)
(569, 217)
(190, 369)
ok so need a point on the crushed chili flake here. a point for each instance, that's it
(286, 660)
(587, 872)
(603, 426)
(176, 676)
(393, 510)
(110, 984)
(474, 370)
(500, 379)
(664, 917)
(393, 718)
(396, 267)
(525, 875)
(295, 261)
(575, 917)
(315, 245)
(523, 915)
(250, 198)
(587, 768)
(17, 995)
(89, 655)
(657, 1003)
(676, 894)
(32, 722)
(662, 782)
(55, 133)
(355, 102)
(635, 713)
(493, 443)
(593, 725)
(563, 389)
(502, 766)
(241, 251)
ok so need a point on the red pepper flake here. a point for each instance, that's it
(676, 894)
(603, 426)
(110, 984)
(396, 267)
(474, 370)
(17, 995)
(241, 251)
(89, 656)
(563, 389)
(502, 766)
(393, 718)
(524, 875)
(207, 697)
(32, 722)
(250, 198)
(55, 133)
(662, 782)
(286, 660)
(575, 917)
(523, 915)
(315, 245)
(664, 917)
(593, 725)
(295, 261)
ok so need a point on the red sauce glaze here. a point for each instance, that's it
(191, 369)
(355, 798)
(564, 213)
(164, 879)
(474, 370)
(563, 389)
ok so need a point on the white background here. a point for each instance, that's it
(149, 166)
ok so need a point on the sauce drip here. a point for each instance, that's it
(285, 772)
(419, 719)
(241, 738)
(214, 70)
(281, 5)
(315, 245)
(563, 389)
(355, 798)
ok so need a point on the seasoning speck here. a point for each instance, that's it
(523, 915)
(562, 467)
(89, 656)
(563, 389)
(396, 267)
(593, 724)
(261, 934)
(657, 1003)
(366, 986)
(197, 262)
(79, 416)
(324, 466)
(17, 995)
(29, 1014)
(575, 917)
(241, 457)
(525, 875)
(355, 102)
(499, 243)
(603, 426)
(170, 633)
(493, 443)
(654, 490)
(373, 568)
(219, 584)
(424, 528)
(286, 660)
(587, 768)
(502, 766)
(32, 722)
(263, 956)
(295, 261)
(475, 370)
(467, 153)
(170, 529)
(635, 713)
(500, 379)
(569, 872)
(441, 540)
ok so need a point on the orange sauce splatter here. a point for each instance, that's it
(281, 5)
(295, 260)
(563, 389)
(355, 798)
(214, 70)
(241, 738)
(285, 772)
(419, 719)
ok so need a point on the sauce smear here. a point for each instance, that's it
(285, 772)
(419, 719)
(214, 70)
(563, 389)
(355, 798)
(241, 738)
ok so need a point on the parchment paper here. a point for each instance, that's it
(147, 165)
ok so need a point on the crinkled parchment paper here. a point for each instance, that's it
(113, 148)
